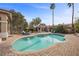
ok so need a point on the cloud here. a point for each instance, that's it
(64, 17)
(42, 7)
(39, 6)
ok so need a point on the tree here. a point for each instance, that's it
(31, 27)
(18, 22)
(36, 21)
(72, 5)
(42, 27)
(52, 7)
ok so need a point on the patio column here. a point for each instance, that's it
(4, 32)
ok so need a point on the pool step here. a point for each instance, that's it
(29, 46)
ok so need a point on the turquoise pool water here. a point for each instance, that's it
(37, 42)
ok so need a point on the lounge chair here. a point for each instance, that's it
(25, 33)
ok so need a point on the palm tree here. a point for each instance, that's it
(52, 7)
(72, 5)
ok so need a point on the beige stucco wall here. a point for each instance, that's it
(4, 25)
(3, 18)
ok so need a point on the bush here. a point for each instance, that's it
(77, 28)
(77, 25)
(60, 29)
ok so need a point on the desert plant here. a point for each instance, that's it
(77, 26)
(60, 29)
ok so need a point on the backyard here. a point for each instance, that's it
(26, 33)
(68, 48)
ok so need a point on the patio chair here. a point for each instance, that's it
(25, 33)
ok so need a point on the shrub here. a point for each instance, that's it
(60, 29)
(77, 25)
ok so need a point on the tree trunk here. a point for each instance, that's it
(73, 18)
(52, 19)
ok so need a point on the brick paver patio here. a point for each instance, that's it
(68, 48)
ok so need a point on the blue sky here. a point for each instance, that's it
(42, 10)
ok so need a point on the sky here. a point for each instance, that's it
(42, 10)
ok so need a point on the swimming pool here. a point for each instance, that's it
(37, 42)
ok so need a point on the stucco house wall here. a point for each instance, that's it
(4, 24)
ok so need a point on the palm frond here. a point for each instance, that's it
(52, 6)
(69, 4)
